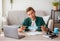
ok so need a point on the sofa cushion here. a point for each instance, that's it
(46, 18)
(16, 17)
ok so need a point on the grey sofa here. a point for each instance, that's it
(17, 17)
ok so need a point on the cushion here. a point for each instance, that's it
(50, 26)
(46, 18)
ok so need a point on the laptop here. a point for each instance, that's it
(12, 32)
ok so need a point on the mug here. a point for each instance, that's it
(56, 30)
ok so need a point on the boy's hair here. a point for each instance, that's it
(29, 8)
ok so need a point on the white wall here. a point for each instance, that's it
(23, 4)
(0, 8)
(37, 4)
(0, 13)
(5, 7)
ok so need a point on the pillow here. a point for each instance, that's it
(46, 18)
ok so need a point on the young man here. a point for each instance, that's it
(37, 23)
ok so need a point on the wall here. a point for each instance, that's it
(0, 8)
(23, 4)
(0, 14)
(5, 7)
(59, 6)
(37, 4)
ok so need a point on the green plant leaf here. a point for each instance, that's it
(11, 1)
(55, 3)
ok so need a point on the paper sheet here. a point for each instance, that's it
(46, 36)
(33, 33)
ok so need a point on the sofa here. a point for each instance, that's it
(17, 17)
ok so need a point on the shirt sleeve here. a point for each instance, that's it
(25, 22)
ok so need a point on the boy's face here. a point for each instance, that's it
(31, 14)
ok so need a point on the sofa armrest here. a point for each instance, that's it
(50, 24)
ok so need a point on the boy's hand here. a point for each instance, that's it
(43, 28)
(22, 28)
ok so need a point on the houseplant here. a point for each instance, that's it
(55, 5)
(11, 1)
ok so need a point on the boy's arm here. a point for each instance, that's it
(43, 28)
(22, 28)
(24, 25)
